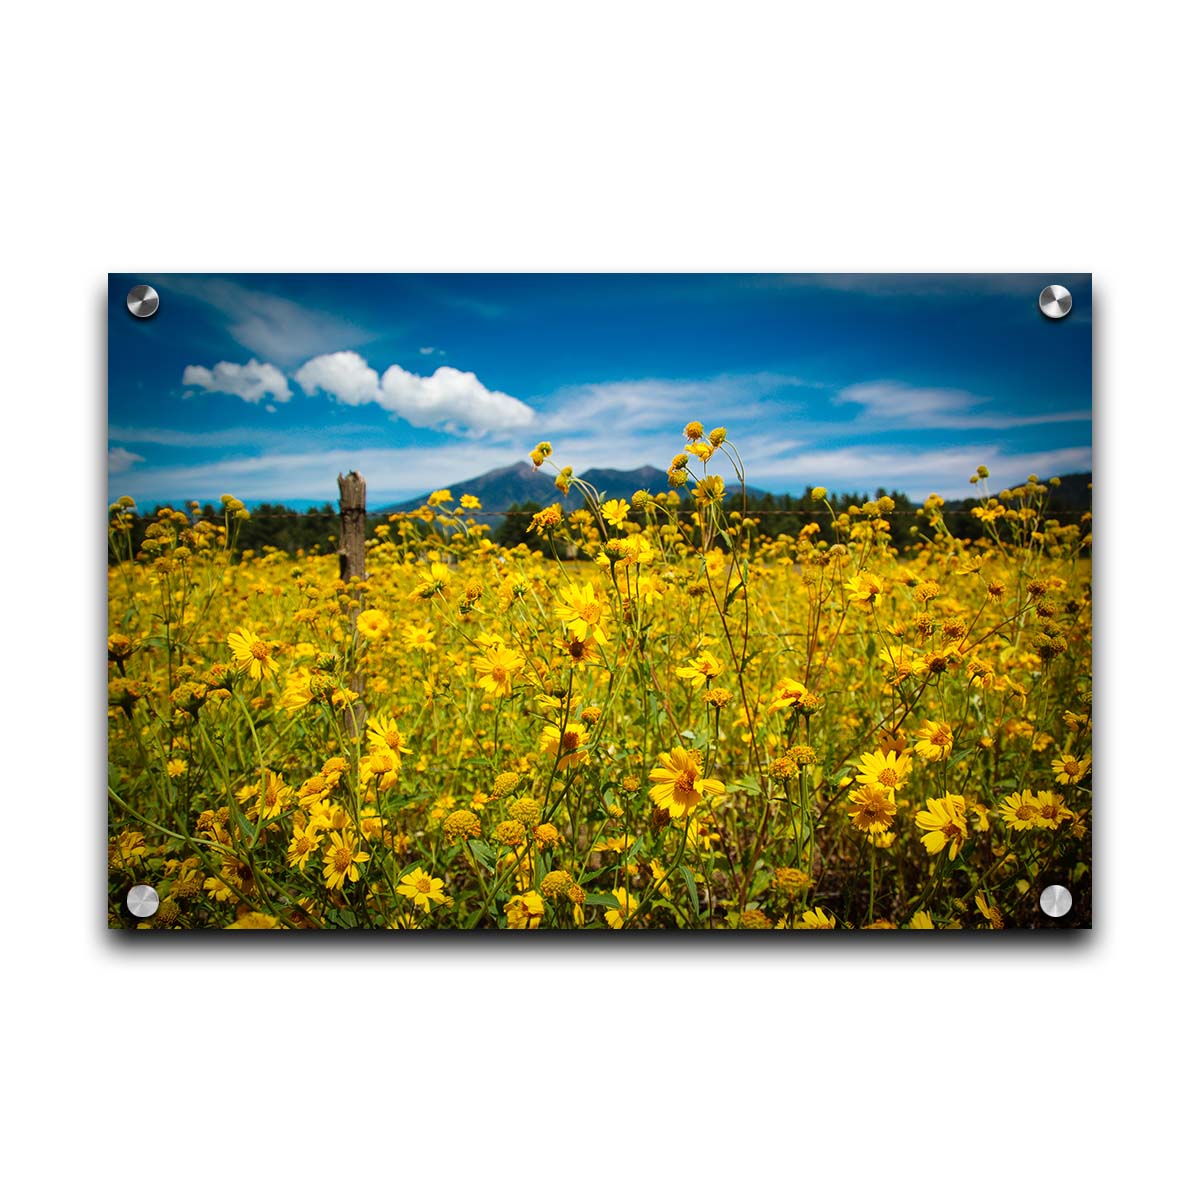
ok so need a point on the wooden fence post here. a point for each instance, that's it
(352, 555)
(352, 552)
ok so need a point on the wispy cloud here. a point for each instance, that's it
(266, 324)
(391, 474)
(154, 436)
(886, 403)
(241, 436)
(120, 460)
(627, 407)
(488, 310)
(903, 285)
(918, 286)
(791, 467)
(778, 464)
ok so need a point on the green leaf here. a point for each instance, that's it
(633, 851)
(605, 899)
(760, 885)
(484, 854)
(690, 880)
(244, 826)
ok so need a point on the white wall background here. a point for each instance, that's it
(636, 136)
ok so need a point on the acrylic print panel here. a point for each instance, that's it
(600, 603)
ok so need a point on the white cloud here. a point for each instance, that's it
(433, 350)
(451, 400)
(120, 459)
(345, 376)
(251, 381)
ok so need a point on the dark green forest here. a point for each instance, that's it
(775, 515)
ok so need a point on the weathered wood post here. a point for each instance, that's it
(352, 555)
(352, 552)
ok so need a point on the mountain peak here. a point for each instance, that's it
(519, 483)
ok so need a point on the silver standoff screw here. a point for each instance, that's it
(1055, 301)
(142, 900)
(142, 300)
(1055, 900)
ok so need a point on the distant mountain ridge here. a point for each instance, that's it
(518, 483)
(1072, 497)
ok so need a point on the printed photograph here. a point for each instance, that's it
(600, 604)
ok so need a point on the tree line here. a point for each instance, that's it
(316, 529)
(776, 515)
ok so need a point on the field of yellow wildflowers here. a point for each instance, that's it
(686, 725)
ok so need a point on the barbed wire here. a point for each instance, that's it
(474, 513)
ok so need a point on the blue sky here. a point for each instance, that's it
(268, 386)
